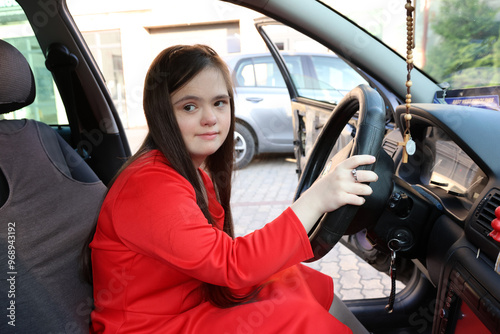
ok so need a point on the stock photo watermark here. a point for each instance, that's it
(11, 274)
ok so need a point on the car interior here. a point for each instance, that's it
(430, 216)
(41, 174)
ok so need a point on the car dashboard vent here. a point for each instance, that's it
(390, 147)
(485, 212)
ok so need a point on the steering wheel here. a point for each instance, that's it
(367, 140)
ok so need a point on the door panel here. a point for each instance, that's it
(309, 117)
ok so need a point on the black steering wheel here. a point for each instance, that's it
(367, 140)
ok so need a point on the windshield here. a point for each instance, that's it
(456, 41)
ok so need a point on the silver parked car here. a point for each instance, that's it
(263, 110)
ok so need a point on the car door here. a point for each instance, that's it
(71, 93)
(313, 96)
(263, 100)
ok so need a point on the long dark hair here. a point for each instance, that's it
(173, 68)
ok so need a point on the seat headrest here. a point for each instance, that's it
(17, 85)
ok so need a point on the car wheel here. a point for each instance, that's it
(244, 146)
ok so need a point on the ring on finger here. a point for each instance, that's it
(354, 173)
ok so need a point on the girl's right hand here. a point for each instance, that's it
(336, 188)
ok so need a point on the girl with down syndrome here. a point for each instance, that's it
(164, 255)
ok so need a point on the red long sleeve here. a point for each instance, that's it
(153, 250)
(154, 213)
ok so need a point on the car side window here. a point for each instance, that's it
(317, 73)
(267, 73)
(15, 30)
(334, 73)
(297, 71)
(47, 107)
(330, 79)
(245, 73)
(259, 72)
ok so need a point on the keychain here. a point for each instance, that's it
(394, 246)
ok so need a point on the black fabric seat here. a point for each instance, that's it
(49, 200)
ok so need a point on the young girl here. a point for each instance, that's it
(164, 255)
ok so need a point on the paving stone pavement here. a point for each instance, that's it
(265, 188)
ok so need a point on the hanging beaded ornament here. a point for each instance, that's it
(408, 143)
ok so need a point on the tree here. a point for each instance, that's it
(466, 43)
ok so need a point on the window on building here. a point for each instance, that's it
(107, 51)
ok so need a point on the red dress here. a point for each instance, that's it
(153, 249)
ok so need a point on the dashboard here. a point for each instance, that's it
(457, 162)
(456, 170)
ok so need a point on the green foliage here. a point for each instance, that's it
(496, 60)
(467, 43)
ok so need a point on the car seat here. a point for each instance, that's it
(49, 200)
